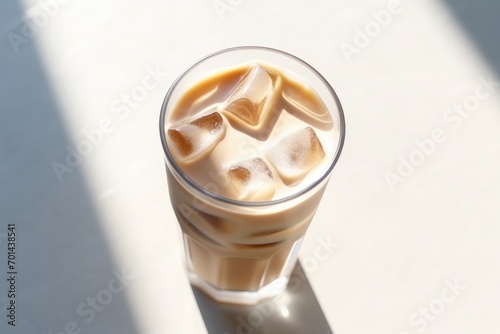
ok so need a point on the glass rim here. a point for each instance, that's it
(178, 170)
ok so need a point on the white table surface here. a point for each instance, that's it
(419, 256)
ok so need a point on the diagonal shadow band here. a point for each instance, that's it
(295, 311)
(62, 257)
(480, 21)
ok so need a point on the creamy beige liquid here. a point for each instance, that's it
(240, 247)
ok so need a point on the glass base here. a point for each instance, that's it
(249, 297)
(239, 297)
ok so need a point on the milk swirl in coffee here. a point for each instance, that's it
(251, 113)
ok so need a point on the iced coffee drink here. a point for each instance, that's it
(250, 136)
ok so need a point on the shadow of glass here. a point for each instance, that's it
(480, 20)
(67, 280)
(296, 311)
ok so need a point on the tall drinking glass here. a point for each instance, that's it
(245, 180)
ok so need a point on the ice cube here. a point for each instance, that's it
(192, 140)
(251, 104)
(296, 155)
(252, 180)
